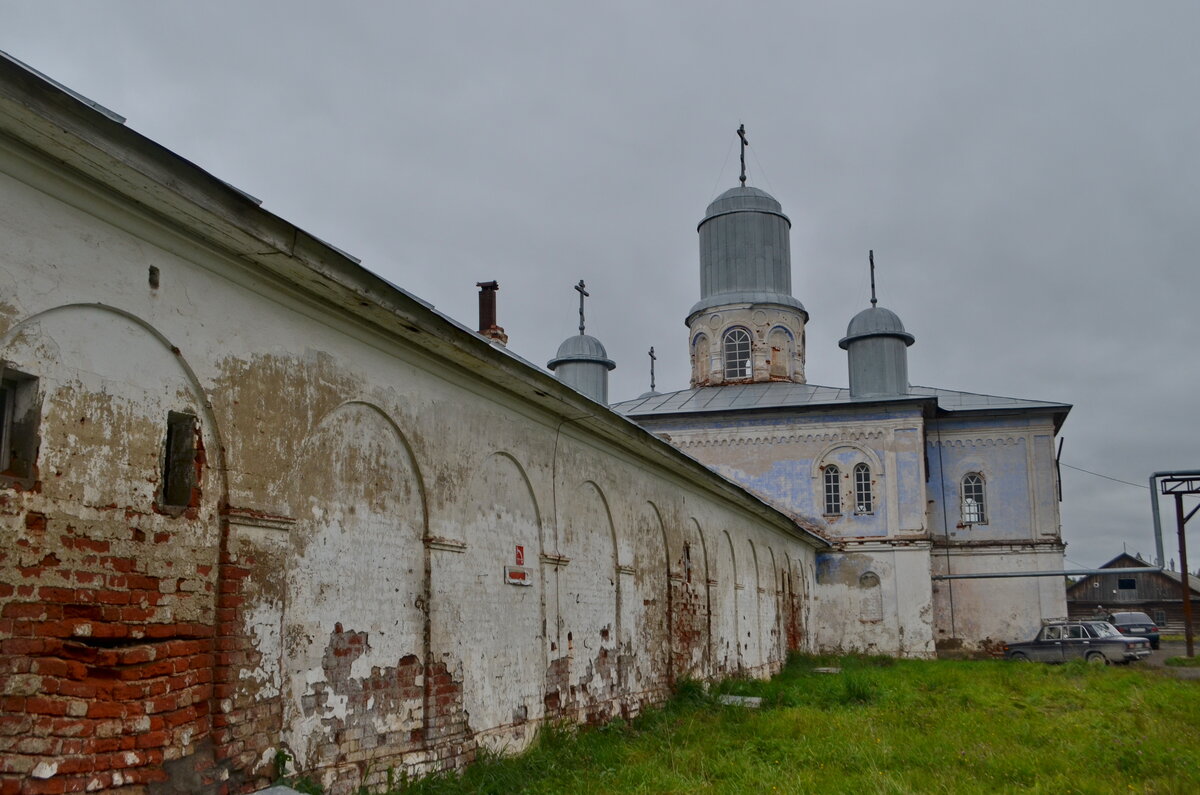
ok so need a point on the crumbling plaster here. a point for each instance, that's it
(337, 588)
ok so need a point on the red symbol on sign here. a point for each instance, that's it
(520, 555)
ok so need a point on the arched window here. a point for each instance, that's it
(871, 606)
(782, 349)
(735, 347)
(864, 501)
(974, 501)
(833, 490)
(700, 363)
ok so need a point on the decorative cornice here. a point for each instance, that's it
(622, 569)
(756, 439)
(551, 559)
(977, 441)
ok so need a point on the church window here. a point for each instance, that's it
(833, 490)
(20, 412)
(735, 346)
(864, 501)
(179, 460)
(974, 502)
(700, 363)
(780, 342)
(871, 606)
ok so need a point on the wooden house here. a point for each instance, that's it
(1155, 593)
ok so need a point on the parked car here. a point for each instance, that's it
(1091, 640)
(1138, 625)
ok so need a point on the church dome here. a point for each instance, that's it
(745, 252)
(744, 198)
(876, 351)
(583, 364)
(875, 322)
(581, 348)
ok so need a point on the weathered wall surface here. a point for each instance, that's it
(983, 614)
(1021, 532)
(873, 593)
(336, 583)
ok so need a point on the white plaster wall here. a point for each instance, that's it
(985, 613)
(381, 464)
(844, 619)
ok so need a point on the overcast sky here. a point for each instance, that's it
(1027, 173)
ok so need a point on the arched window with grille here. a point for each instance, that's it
(833, 490)
(735, 348)
(864, 499)
(974, 499)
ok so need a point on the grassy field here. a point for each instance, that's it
(882, 726)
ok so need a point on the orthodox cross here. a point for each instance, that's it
(583, 293)
(653, 358)
(741, 131)
(872, 257)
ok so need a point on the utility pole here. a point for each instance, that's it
(1179, 485)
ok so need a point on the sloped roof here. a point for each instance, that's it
(1127, 560)
(783, 395)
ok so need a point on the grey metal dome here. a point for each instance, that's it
(745, 251)
(876, 352)
(581, 348)
(744, 198)
(582, 364)
(873, 322)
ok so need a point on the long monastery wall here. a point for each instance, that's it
(382, 558)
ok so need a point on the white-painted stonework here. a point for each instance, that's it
(281, 503)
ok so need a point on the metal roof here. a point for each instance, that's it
(875, 321)
(781, 395)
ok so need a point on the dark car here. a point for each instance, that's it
(1139, 625)
(1094, 641)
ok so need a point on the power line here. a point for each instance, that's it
(1106, 477)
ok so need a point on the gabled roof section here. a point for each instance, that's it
(1127, 561)
(781, 395)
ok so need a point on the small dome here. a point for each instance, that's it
(875, 322)
(744, 198)
(581, 348)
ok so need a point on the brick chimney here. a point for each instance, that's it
(487, 312)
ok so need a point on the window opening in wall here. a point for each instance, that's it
(179, 460)
(864, 501)
(833, 490)
(735, 347)
(1127, 583)
(20, 412)
(872, 598)
(700, 352)
(974, 509)
(1160, 617)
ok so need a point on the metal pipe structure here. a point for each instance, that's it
(1158, 539)
(1000, 575)
(1186, 590)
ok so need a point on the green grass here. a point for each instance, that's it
(881, 725)
(1184, 662)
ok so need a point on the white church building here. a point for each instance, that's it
(911, 483)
